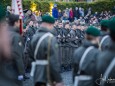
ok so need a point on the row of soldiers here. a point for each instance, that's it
(68, 33)
(87, 60)
(42, 54)
(69, 37)
(94, 61)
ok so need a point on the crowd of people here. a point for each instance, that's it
(85, 16)
(36, 51)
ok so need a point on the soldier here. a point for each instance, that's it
(106, 58)
(31, 30)
(65, 32)
(43, 51)
(84, 63)
(105, 38)
(13, 69)
(60, 32)
(4, 37)
(80, 34)
(55, 30)
(66, 29)
(75, 36)
(59, 29)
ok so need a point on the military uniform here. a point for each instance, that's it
(104, 60)
(104, 40)
(75, 38)
(42, 55)
(27, 37)
(89, 64)
(29, 33)
(11, 69)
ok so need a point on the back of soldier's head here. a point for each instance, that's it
(12, 19)
(92, 33)
(104, 25)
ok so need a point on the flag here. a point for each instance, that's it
(18, 10)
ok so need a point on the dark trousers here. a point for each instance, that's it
(40, 84)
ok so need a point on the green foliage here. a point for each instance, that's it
(96, 6)
(5, 3)
(44, 6)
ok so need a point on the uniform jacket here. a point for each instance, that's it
(42, 54)
(88, 66)
(106, 42)
(76, 37)
(12, 68)
(103, 62)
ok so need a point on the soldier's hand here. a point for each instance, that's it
(20, 77)
(59, 84)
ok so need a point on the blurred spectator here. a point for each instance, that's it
(29, 17)
(71, 15)
(67, 12)
(60, 14)
(76, 13)
(9, 11)
(55, 12)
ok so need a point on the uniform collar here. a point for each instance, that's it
(87, 44)
(103, 33)
(43, 29)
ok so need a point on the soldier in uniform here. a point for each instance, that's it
(30, 30)
(12, 72)
(106, 58)
(75, 35)
(66, 29)
(55, 28)
(59, 29)
(105, 38)
(60, 32)
(43, 51)
(87, 67)
(4, 37)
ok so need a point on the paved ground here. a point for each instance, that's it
(28, 82)
(67, 79)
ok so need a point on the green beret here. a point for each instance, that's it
(112, 25)
(48, 19)
(2, 12)
(105, 23)
(93, 31)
